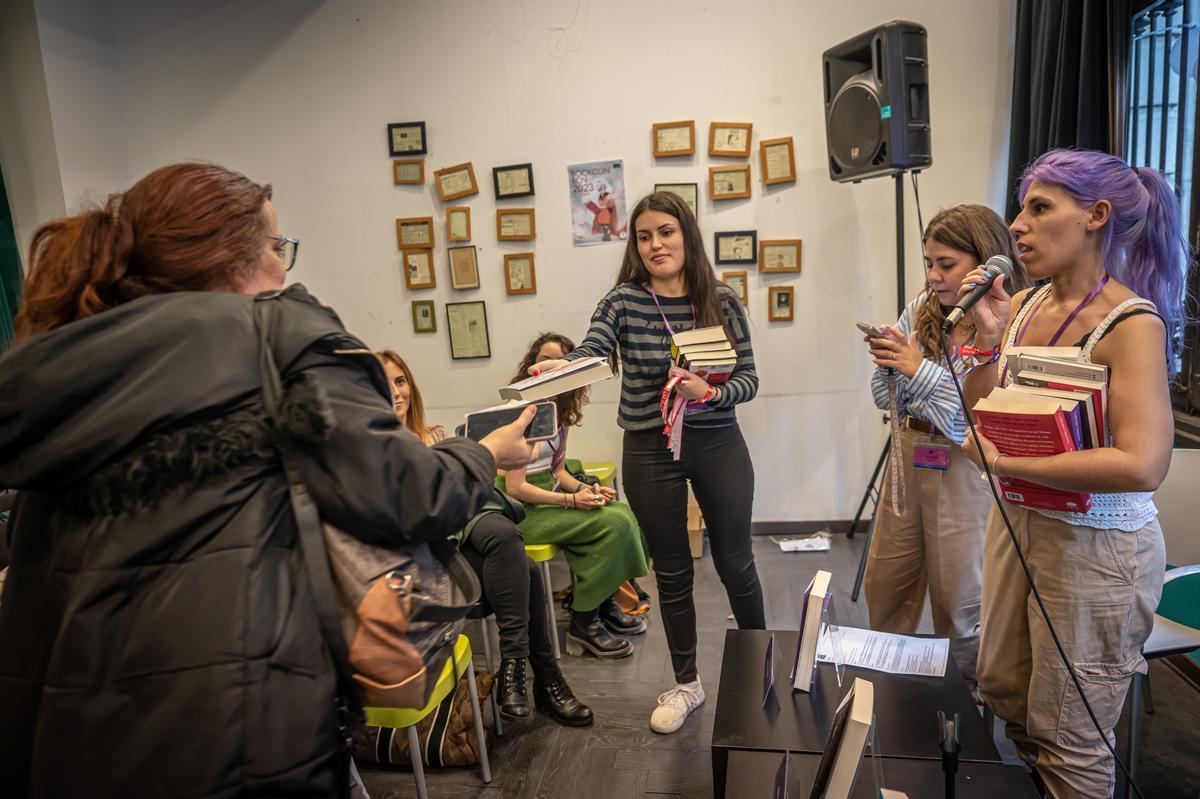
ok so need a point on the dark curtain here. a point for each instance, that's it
(10, 270)
(1068, 80)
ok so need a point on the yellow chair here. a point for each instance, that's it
(604, 471)
(408, 718)
(542, 554)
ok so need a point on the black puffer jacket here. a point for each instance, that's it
(157, 635)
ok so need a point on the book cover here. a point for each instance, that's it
(1061, 368)
(1033, 427)
(813, 611)
(1089, 432)
(699, 335)
(847, 738)
(576, 374)
(1098, 389)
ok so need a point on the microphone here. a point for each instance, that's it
(996, 265)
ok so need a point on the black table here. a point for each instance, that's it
(905, 707)
(752, 776)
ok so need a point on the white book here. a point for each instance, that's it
(813, 610)
(847, 739)
(575, 374)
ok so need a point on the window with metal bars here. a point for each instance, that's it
(1164, 47)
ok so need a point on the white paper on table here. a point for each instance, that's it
(888, 652)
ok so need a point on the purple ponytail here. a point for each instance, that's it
(1143, 245)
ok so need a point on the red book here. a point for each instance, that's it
(1034, 427)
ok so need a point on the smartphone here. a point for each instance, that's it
(870, 330)
(544, 425)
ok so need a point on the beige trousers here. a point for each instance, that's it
(935, 545)
(1100, 588)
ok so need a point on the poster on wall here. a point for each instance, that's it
(597, 202)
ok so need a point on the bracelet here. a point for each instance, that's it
(996, 460)
(573, 505)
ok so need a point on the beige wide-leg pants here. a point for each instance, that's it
(1101, 588)
(936, 544)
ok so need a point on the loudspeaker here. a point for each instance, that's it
(877, 103)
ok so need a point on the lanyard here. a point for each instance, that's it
(1091, 295)
(670, 330)
(674, 410)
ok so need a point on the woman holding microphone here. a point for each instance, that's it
(1107, 236)
(667, 285)
(929, 533)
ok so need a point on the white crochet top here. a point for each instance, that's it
(1127, 510)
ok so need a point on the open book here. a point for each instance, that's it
(847, 738)
(705, 351)
(576, 374)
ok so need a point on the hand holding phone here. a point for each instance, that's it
(544, 425)
(508, 445)
(870, 330)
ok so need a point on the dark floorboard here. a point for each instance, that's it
(620, 758)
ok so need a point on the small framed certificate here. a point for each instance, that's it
(416, 231)
(671, 139)
(778, 160)
(737, 282)
(516, 224)
(780, 302)
(467, 322)
(464, 268)
(729, 182)
(779, 255)
(519, 274)
(458, 223)
(408, 172)
(513, 181)
(690, 192)
(406, 138)
(424, 318)
(735, 246)
(455, 181)
(729, 139)
(418, 267)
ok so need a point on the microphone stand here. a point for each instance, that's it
(948, 743)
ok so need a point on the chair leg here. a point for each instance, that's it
(486, 630)
(550, 610)
(414, 751)
(485, 766)
(1147, 694)
(1135, 731)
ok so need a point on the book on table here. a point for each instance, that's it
(706, 351)
(1027, 425)
(576, 374)
(847, 738)
(814, 608)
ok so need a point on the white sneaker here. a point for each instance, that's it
(675, 705)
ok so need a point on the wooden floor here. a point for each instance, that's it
(620, 758)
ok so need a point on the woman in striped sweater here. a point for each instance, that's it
(667, 285)
(929, 528)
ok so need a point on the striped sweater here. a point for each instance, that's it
(929, 395)
(627, 318)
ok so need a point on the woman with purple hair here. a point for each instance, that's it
(1108, 238)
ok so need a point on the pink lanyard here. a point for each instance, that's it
(661, 313)
(672, 411)
(1091, 295)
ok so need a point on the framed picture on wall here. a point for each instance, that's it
(690, 192)
(779, 255)
(415, 231)
(455, 181)
(418, 267)
(519, 274)
(406, 138)
(464, 268)
(780, 300)
(516, 224)
(728, 182)
(735, 246)
(778, 160)
(737, 282)
(672, 139)
(729, 139)
(408, 172)
(424, 318)
(458, 223)
(467, 323)
(513, 181)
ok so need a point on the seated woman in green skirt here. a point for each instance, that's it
(599, 536)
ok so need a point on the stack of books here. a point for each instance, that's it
(706, 351)
(1055, 404)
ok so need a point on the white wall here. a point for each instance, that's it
(299, 94)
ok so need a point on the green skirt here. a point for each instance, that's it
(603, 547)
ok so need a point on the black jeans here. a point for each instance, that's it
(512, 587)
(717, 463)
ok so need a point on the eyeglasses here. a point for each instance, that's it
(286, 249)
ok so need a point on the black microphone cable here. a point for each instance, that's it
(1012, 535)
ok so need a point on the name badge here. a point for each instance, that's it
(931, 456)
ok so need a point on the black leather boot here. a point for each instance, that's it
(554, 698)
(510, 689)
(618, 621)
(595, 638)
